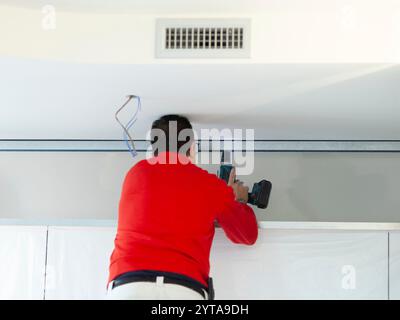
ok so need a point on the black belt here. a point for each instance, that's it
(169, 277)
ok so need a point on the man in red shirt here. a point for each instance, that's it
(167, 214)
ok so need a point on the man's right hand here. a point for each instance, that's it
(239, 189)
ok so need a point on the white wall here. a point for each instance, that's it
(22, 262)
(358, 187)
(352, 187)
(61, 185)
(310, 31)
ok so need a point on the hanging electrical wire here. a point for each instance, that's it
(127, 137)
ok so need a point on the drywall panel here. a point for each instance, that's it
(78, 261)
(288, 264)
(349, 187)
(22, 256)
(394, 265)
(61, 185)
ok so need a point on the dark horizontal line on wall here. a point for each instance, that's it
(262, 140)
(94, 145)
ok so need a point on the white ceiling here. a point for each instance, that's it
(144, 6)
(43, 99)
(193, 6)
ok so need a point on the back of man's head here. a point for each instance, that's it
(172, 133)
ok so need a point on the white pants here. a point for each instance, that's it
(152, 291)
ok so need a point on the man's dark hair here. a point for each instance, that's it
(182, 134)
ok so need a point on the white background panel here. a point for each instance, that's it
(22, 262)
(394, 259)
(78, 261)
(287, 264)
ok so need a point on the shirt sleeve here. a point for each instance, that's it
(237, 219)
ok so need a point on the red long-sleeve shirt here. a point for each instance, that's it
(166, 219)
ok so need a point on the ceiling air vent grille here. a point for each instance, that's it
(203, 38)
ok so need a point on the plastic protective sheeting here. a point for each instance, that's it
(78, 261)
(283, 264)
(22, 256)
(303, 264)
(394, 265)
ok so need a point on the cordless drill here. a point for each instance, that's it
(258, 196)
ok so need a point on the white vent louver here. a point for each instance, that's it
(203, 38)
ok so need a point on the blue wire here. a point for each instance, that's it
(130, 123)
